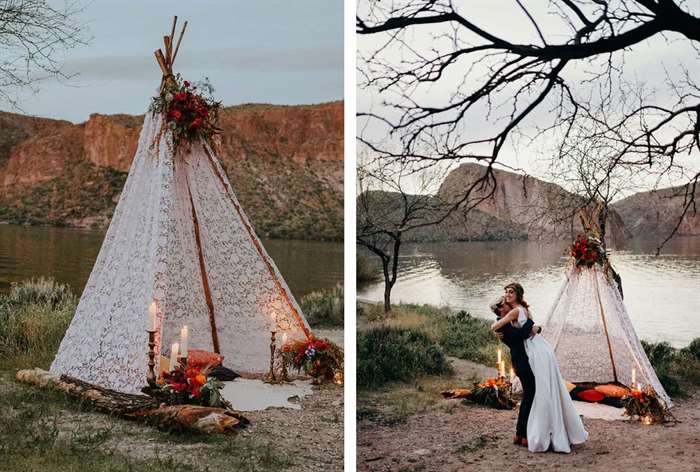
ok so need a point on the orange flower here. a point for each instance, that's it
(201, 379)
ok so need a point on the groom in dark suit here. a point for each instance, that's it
(515, 338)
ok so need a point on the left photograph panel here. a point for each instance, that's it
(171, 224)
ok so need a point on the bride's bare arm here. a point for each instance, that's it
(511, 316)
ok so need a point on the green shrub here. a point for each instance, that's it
(676, 368)
(325, 308)
(693, 349)
(466, 337)
(34, 317)
(387, 354)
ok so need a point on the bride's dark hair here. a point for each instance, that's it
(519, 293)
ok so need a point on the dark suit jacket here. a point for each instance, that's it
(515, 338)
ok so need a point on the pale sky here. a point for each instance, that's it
(646, 63)
(272, 51)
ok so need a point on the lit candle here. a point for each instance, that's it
(503, 369)
(152, 309)
(184, 341)
(634, 377)
(173, 356)
(512, 375)
(284, 338)
(499, 357)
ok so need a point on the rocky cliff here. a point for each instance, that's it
(532, 207)
(285, 163)
(654, 214)
(521, 207)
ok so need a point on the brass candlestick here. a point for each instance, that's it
(271, 378)
(284, 376)
(151, 375)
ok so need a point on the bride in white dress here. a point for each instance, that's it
(553, 419)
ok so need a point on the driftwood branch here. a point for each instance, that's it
(139, 407)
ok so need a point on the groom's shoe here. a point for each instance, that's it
(517, 439)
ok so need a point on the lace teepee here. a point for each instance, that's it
(180, 237)
(591, 332)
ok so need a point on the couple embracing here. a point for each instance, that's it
(547, 417)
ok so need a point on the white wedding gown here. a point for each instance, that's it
(553, 418)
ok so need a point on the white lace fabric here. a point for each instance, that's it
(587, 306)
(150, 253)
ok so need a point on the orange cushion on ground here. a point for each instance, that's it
(201, 358)
(590, 395)
(610, 390)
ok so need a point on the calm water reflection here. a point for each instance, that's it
(662, 294)
(68, 254)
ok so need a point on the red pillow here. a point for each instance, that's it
(591, 395)
(200, 358)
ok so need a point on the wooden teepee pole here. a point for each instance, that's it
(166, 59)
(605, 323)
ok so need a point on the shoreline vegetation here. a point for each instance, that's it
(414, 340)
(42, 429)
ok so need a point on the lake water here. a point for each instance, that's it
(67, 254)
(662, 294)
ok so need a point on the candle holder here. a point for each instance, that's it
(284, 376)
(183, 362)
(151, 375)
(271, 378)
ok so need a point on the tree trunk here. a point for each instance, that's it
(602, 222)
(387, 285)
(141, 407)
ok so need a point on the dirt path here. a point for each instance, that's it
(454, 436)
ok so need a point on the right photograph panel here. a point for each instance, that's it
(528, 236)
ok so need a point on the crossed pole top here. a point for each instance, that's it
(166, 60)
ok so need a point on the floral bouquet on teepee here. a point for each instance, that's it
(645, 406)
(191, 385)
(587, 251)
(190, 111)
(318, 358)
(494, 393)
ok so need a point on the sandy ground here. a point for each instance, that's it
(454, 436)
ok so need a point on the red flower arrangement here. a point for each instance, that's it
(191, 115)
(587, 251)
(494, 393)
(646, 407)
(319, 358)
(190, 385)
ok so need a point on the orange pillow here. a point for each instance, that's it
(200, 358)
(610, 390)
(591, 395)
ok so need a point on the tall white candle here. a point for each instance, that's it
(512, 375)
(174, 350)
(499, 356)
(184, 341)
(152, 310)
(284, 338)
(503, 369)
(634, 377)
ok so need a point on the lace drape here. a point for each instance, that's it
(150, 252)
(587, 305)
